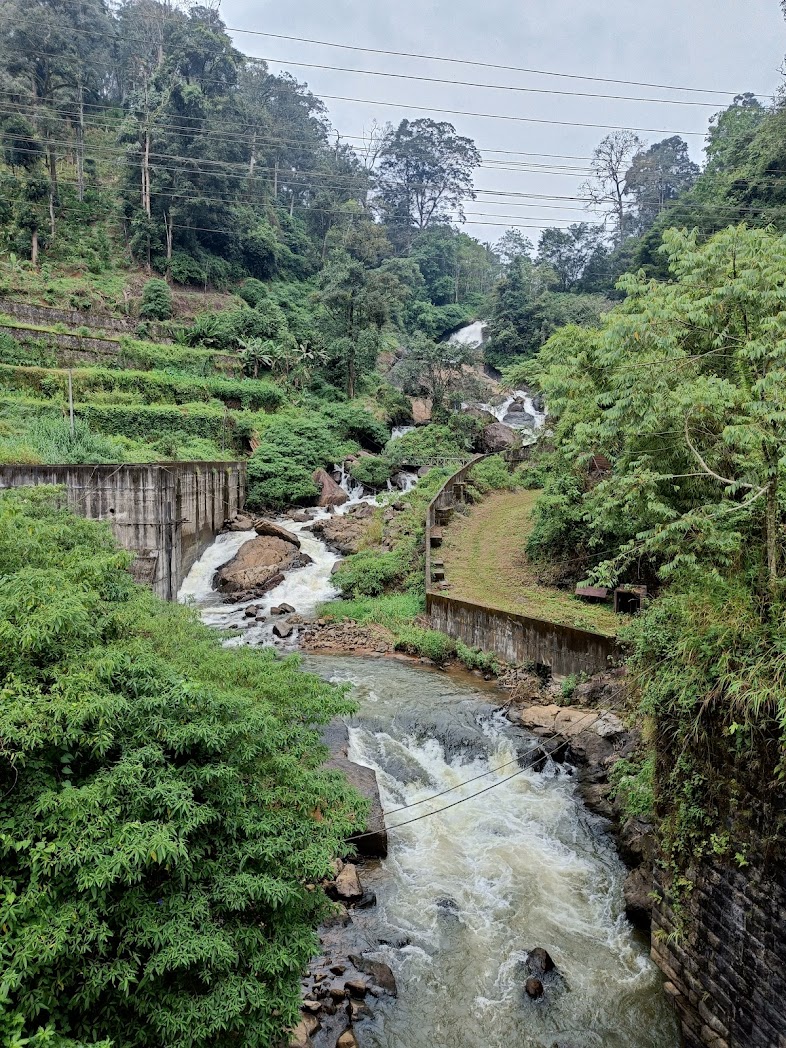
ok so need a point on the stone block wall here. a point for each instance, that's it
(167, 514)
(727, 972)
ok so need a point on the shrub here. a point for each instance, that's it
(371, 471)
(165, 808)
(368, 573)
(491, 474)
(156, 300)
(281, 468)
(475, 659)
(430, 644)
(391, 610)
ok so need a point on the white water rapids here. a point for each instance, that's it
(465, 892)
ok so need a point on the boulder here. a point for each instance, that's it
(518, 417)
(638, 897)
(345, 534)
(330, 492)
(348, 884)
(533, 988)
(283, 630)
(498, 437)
(267, 527)
(240, 522)
(380, 974)
(299, 1037)
(347, 1040)
(481, 415)
(539, 961)
(258, 566)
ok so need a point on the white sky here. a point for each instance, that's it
(727, 46)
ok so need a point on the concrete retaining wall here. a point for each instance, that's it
(515, 638)
(166, 514)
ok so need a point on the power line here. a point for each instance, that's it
(483, 65)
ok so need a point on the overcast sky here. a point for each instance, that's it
(726, 46)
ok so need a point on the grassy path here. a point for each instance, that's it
(485, 562)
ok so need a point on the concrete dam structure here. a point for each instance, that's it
(166, 514)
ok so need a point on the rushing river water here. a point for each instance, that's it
(467, 891)
(468, 888)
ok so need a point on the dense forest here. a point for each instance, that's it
(227, 277)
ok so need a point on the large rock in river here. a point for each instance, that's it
(498, 437)
(344, 534)
(267, 527)
(331, 494)
(258, 566)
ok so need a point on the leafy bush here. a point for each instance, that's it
(352, 422)
(430, 644)
(426, 446)
(391, 610)
(290, 450)
(371, 471)
(156, 300)
(491, 474)
(164, 804)
(475, 659)
(368, 573)
(47, 439)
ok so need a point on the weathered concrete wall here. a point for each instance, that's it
(519, 639)
(70, 317)
(167, 514)
(515, 638)
(727, 975)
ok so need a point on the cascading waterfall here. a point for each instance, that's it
(467, 891)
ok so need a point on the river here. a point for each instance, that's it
(469, 887)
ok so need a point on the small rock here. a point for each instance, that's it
(348, 884)
(347, 1040)
(539, 961)
(283, 630)
(276, 610)
(357, 987)
(311, 1023)
(311, 1006)
(251, 611)
(286, 609)
(533, 987)
(337, 992)
(267, 527)
(338, 969)
(380, 974)
(299, 1037)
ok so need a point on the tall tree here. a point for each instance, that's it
(425, 175)
(658, 176)
(568, 252)
(606, 189)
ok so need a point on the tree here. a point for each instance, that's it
(425, 174)
(658, 176)
(731, 132)
(606, 190)
(684, 391)
(165, 811)
(440, 371)
(568, 252)
(513, 245)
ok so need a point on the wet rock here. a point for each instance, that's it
(261, 618)
(348, 884)
(539, 961)
(367, 900)
(486, 417)
(286, 609)
(258, 566)
(283, 630)
(310, 1006)
(518, 417)
(251, 611)
(267, 527)
(380, 974)
(533, 988)
(300, 1037)
(347, 1040)
(637, 892)
(345, 534)
(357, 987)
(330, 492)
(499, 437)
(240, 522)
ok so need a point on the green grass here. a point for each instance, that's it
(485, 563)
(391, 610)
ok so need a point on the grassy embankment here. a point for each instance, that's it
(485, 561)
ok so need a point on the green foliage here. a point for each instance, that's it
(391, 610)
(428, 445)
(371, 471)
(156, 300)
(163, 805)
(290, 450)
(475, 659)
(369, 573)
(633, 785)
(491, 474)
(429, 644)
(48, 439)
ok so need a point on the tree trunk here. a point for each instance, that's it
(169, 225)
(34, 250)
(52, 186)
(275, 180)
(146, 172)
(772, 536)
(80, 147)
